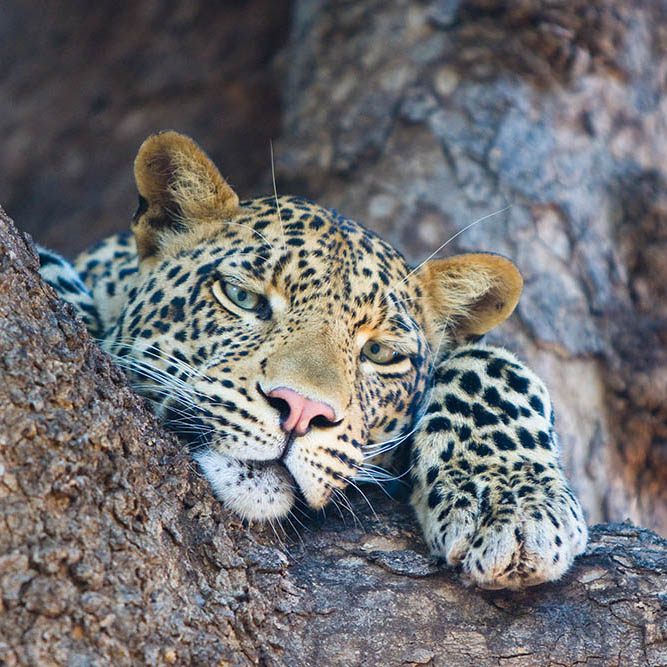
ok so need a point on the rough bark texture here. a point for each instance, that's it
(418, 118)
(422, 117)
(113, 551)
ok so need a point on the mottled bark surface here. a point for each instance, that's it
(417, 118)
(420, 118)
(112, 550)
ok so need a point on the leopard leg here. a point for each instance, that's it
(489, 490)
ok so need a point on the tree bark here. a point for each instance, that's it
(547, 124)
(113, 551)
(417, 117)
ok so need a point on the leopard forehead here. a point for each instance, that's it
(306, 259)
(297, 242)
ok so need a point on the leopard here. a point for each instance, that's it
(297, 354)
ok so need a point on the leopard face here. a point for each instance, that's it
(303, 301)
(289, 346)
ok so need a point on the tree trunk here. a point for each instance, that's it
(81, 89)
(547, 123)
(113, 550)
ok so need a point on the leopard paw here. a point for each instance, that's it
(530, 548)
(502, 532)
(488, 488)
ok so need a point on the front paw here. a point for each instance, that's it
(527, 549)
(505, 530)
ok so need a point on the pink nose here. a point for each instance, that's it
(302, 410)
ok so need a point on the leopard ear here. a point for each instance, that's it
(179, 187)
(468, 295)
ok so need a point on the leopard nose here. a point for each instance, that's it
(301, 411)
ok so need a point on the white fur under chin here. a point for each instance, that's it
(256, 491)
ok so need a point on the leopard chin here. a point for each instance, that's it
(254, 490)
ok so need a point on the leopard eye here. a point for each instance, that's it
(242, 297)
(226, 291)
(380, 354)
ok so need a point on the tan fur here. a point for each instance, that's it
(469, 294)
(312, 366)
(181, 187)
(487, 485)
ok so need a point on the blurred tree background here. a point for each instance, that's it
(82, 85)
(418, 118)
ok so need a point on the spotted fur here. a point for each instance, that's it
(488, 487)
(223, 311)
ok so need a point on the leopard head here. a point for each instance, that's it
(289, 345)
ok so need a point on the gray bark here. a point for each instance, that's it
(81, 89)
(417, 117)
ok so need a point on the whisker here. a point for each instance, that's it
(436, 355)
(387, 446)
(378, 477)
(143, 368)
(154, 353)
(275, 195)
(346, 504)
(378, 449)
(163, 386)
(126, 358)
(334, 502)
(249, 228)
(362, 494)
(294, 528)
(445, 244)
(163, 390)
(281, 543)
(152, 349)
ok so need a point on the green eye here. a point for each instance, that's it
(225, 291)
(380, 354)
(242, 297)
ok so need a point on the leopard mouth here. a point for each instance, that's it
(255, 490)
